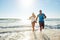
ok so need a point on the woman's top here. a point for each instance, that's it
(32, 19)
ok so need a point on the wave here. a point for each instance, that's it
(25, 28)
(52, 19)
(15, 26)
(21, 26)
(8, 20)
(52, 26)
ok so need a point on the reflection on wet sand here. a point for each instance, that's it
(29, 35)
(39, 36)
(33, 36)
(45, 37)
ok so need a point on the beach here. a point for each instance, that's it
(28, 34)
(19, 17)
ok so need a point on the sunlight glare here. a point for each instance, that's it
(25, 21)
(26, 3)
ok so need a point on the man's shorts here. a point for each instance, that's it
(41, 23)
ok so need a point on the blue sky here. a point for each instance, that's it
(24, 8)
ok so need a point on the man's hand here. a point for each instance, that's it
(44, 16)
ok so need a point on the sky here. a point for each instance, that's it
(24, 8)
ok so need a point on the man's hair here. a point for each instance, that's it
(40, 11)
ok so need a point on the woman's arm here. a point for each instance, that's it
(30, 17)
(36, 18)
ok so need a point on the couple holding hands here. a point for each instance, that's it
(41, 17)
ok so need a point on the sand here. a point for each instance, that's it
(46, 34)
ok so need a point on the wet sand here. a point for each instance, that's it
(46, 34)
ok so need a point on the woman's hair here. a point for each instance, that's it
(33, 14)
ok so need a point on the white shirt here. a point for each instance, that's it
(33, 19)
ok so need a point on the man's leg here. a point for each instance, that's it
(43, 25)
(40, 26)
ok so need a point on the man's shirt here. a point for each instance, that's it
(41, 17)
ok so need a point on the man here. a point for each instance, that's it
(41, 16)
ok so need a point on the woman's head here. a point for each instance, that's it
(33, 14)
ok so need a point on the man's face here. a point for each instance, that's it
(40, 11)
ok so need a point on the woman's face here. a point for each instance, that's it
(32, 14)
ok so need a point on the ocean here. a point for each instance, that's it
(50, 23)
(14, 29)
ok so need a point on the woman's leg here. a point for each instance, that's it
(33, 25)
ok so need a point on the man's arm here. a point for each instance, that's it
(44, 16)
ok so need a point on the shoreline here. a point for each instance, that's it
(46, 34)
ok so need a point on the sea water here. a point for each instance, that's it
(51, 23)
(13, 29)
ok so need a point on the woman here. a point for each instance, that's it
(33, 20)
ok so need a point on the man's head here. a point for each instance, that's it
(40, 11)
